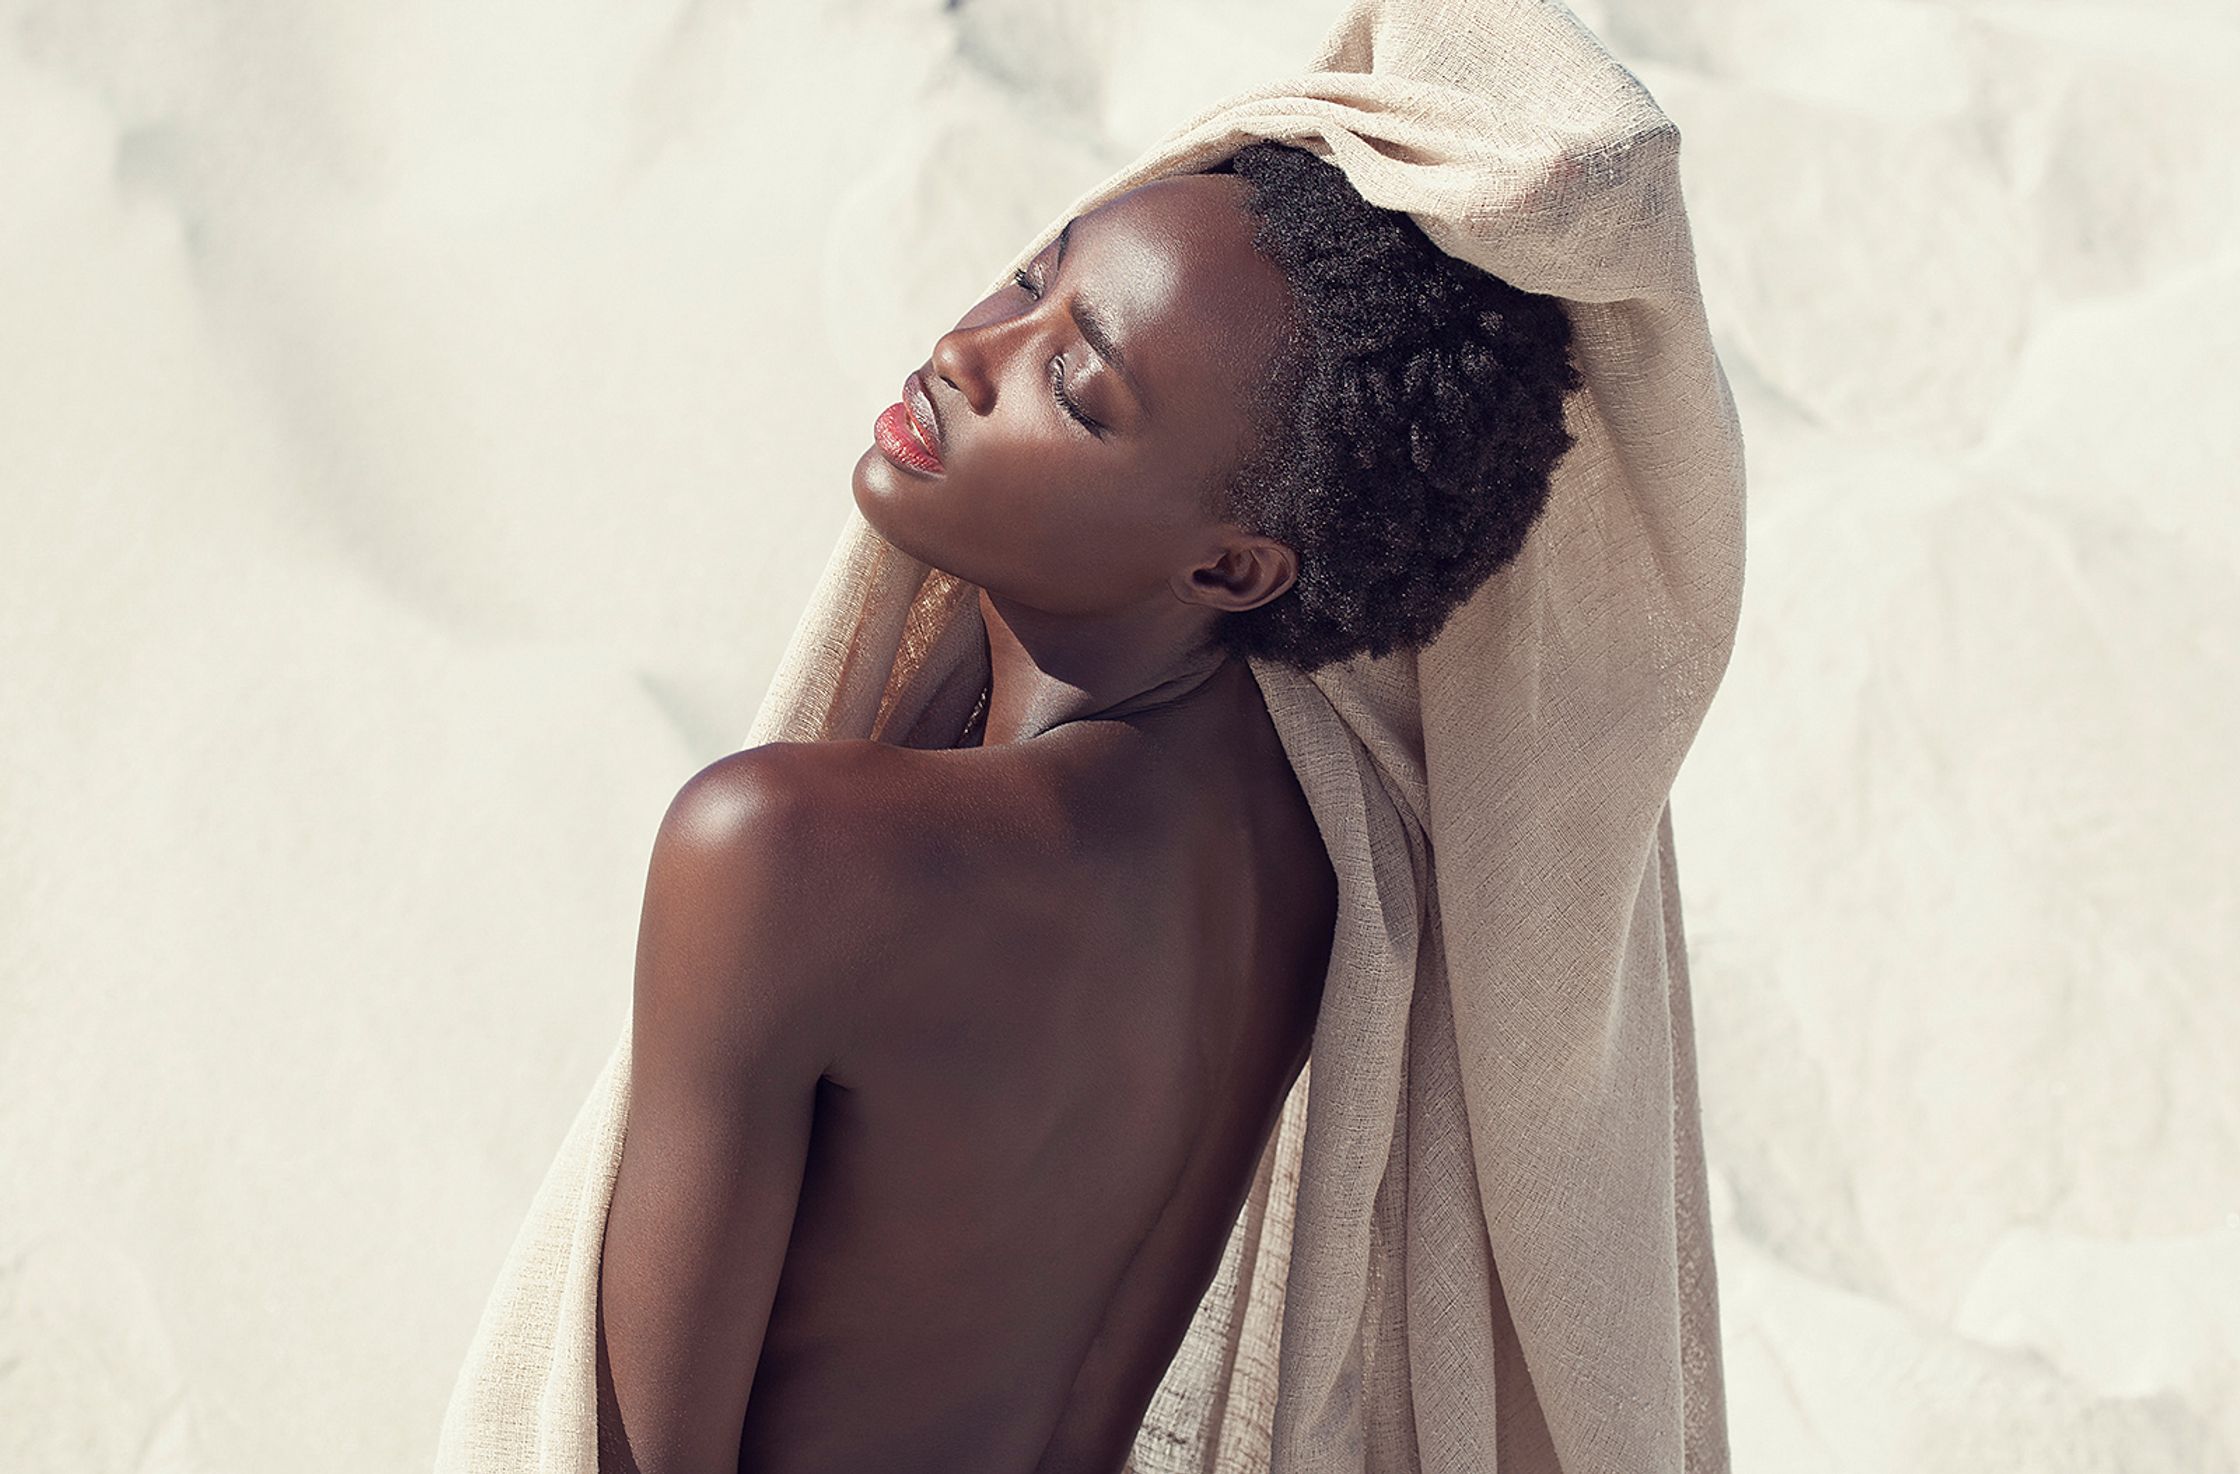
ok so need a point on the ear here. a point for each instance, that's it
(1246, 572)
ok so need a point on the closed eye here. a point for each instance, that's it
(1057, 377)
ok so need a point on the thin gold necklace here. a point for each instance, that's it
(979, 710)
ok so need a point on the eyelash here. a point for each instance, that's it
(1057, 382)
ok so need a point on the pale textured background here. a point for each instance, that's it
(421, 423)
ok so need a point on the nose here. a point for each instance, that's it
(964, 367)
(973, 355)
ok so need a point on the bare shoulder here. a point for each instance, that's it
(938, 818)
(807, 832)
(869, 814)
(841, 875)
(751, 925)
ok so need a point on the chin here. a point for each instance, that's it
(883, 497)
(876, 489)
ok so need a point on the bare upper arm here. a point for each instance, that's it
(733, 1025)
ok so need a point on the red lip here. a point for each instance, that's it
(897, 437)
(920, 404)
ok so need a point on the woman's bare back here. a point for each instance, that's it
(1021, 1179)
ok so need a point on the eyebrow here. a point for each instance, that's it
(1094, 327)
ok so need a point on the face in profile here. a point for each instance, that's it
(1081, 414)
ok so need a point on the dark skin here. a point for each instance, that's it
(950, 1069)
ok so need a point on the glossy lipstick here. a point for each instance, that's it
(903, 438)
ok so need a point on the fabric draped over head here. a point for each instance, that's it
(1479, 1237)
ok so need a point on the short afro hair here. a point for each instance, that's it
(1407, 430)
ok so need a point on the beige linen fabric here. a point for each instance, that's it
(1478, 1239)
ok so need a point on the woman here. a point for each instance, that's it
(951, 1068)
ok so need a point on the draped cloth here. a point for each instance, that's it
(1478, 1239)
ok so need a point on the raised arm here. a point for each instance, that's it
(730, 1034)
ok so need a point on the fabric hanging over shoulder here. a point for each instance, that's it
(1478, 1239)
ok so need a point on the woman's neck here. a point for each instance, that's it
(1046, 673)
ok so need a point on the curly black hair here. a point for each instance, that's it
(1408, 428)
